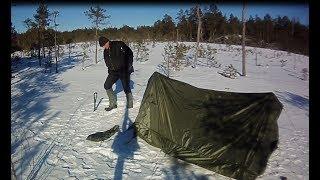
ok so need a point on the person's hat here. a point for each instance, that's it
(103, 41)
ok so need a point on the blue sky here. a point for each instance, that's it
(72, 16)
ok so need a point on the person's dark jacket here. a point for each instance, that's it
(118, 58)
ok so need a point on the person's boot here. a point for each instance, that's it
(112, 100)
(129, 100)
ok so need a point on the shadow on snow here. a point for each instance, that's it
(293, 99)
(124, 145)
(178, 170)
(30, 113)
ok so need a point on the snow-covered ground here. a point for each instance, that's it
(52, 114)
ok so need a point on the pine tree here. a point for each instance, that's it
(42, 21)
(168, 27)
(210, 22)
(267, 21)
(84, 47)
(182, 26)
(192, 22)
(168, 57)
(142, 52)
(14, 40)
(69, 41)
(179, 51)
(97, 16)
(49, 41)
(234, 24)
(27, 41)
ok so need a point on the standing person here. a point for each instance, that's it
(118, 58)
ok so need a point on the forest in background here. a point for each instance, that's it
(280, 33)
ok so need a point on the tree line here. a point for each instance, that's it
(276, 33)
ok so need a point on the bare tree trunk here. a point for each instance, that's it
(55, 42)
(177, 35)
(43, 51)
(42, 43)
(198, 34)
(96, 55)
(69, 51)
(39, 56)
(256, 58)
(56, 53)
(243, 42)
(49, 53)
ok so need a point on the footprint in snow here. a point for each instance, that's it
(296, 162)
(86, 166)
(38, 138)
(79, 98)
(52, 162)
(135, 170)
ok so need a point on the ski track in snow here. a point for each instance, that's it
(52, 114)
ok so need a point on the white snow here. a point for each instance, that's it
(52, 114)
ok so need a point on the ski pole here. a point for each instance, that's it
(95, 94)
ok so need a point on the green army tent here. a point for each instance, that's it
(230, 133)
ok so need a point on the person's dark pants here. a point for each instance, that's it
(113, 77)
